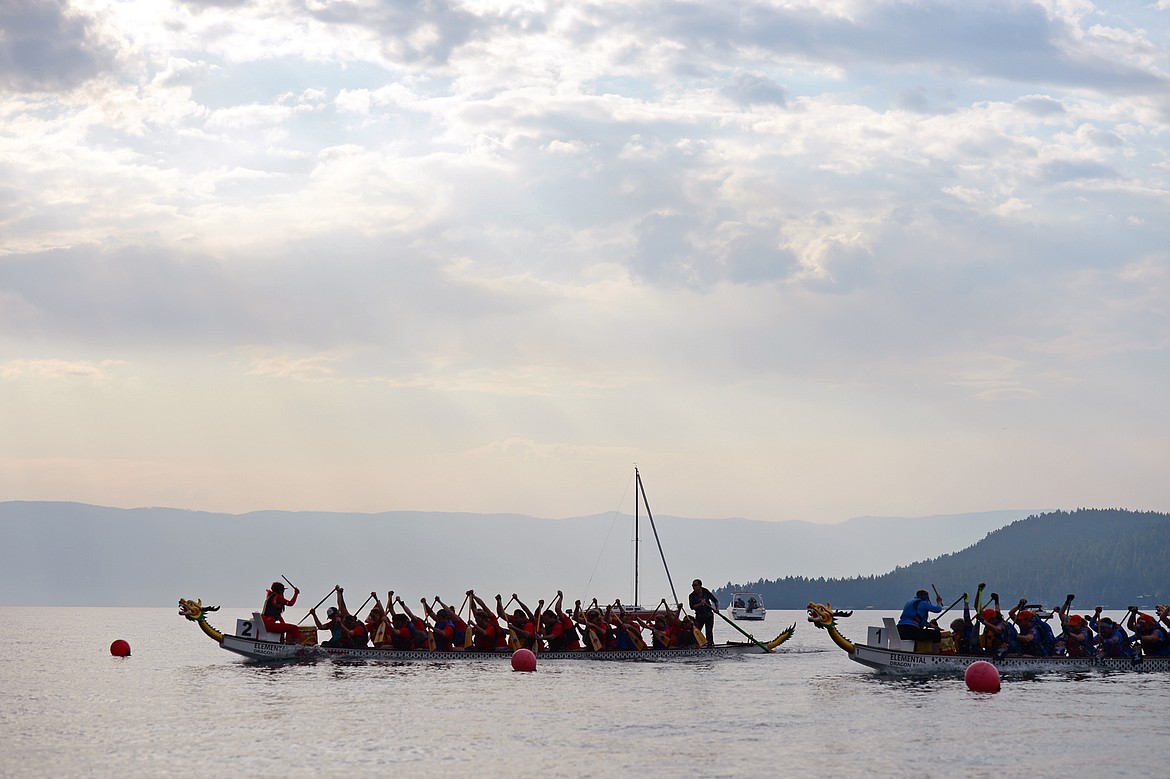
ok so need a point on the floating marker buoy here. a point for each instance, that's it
(982, 676)
(120, 648)
(523, 660)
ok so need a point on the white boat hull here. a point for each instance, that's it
(756, 615)
(892, 661)
(254, 649)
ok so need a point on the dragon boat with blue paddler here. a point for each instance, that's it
(886, 652)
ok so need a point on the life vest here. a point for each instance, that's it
(1156, 644)
(273, 606)
(1047, 637)
(572, 637)
(912, 613)
(460, 635)
(489, 641)
(445, 635)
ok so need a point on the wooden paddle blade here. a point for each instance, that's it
(594, 641)
(700, 639)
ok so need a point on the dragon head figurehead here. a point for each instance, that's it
(825, 618)
(195, 611)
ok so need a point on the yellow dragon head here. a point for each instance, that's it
(825, 617)
(194, 609)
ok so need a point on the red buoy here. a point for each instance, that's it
(982, 676)
(523, 660)
(120, 648)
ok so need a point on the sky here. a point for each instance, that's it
(794, 260)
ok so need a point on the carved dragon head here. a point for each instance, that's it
(824, 616)
(194, 610)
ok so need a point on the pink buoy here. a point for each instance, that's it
(523, 660)
(120, 648)
(982, 676)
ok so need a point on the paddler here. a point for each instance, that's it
(1153, 637)
(914, 623)
(273, 611)
(332, 623)
(486, 635)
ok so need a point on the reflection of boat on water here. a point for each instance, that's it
(748, 605)
(886, 652)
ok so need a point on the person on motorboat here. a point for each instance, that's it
(914, 623)
(704, 604)
(272, 613)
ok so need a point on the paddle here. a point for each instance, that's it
(290, 584)
(948, 608)
(635, 636)
(741, 630)
(318, 602)
(590, 633)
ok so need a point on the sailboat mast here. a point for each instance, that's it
(665, 567)
(637, 484)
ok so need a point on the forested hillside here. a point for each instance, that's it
(1109, 557)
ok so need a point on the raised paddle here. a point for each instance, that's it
(741, 630)
(948, 608)
(290, 584)
(318, 602)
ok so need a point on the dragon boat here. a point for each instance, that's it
(252, 641)
(887, 653)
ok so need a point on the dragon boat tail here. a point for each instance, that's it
(885, 652)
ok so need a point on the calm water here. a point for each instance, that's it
(181, 706)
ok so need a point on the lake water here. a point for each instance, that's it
(181, 706)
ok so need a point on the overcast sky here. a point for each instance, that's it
(797, 260)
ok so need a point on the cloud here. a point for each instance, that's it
(45, 46)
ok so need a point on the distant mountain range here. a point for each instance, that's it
(1108, 557)
(77, 554)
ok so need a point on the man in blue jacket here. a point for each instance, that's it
(914, 624)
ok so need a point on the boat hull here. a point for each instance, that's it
(890, 661)
(756, 615)
(273, 651)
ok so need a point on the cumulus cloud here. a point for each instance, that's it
(47, 46)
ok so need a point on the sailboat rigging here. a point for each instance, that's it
(640, 499)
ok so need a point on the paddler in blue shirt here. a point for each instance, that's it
(914, 624)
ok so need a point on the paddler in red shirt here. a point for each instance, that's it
(486, 633)
(273, 610)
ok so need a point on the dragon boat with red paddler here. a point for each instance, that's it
(252, 641)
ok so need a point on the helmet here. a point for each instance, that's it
(1024, 615)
